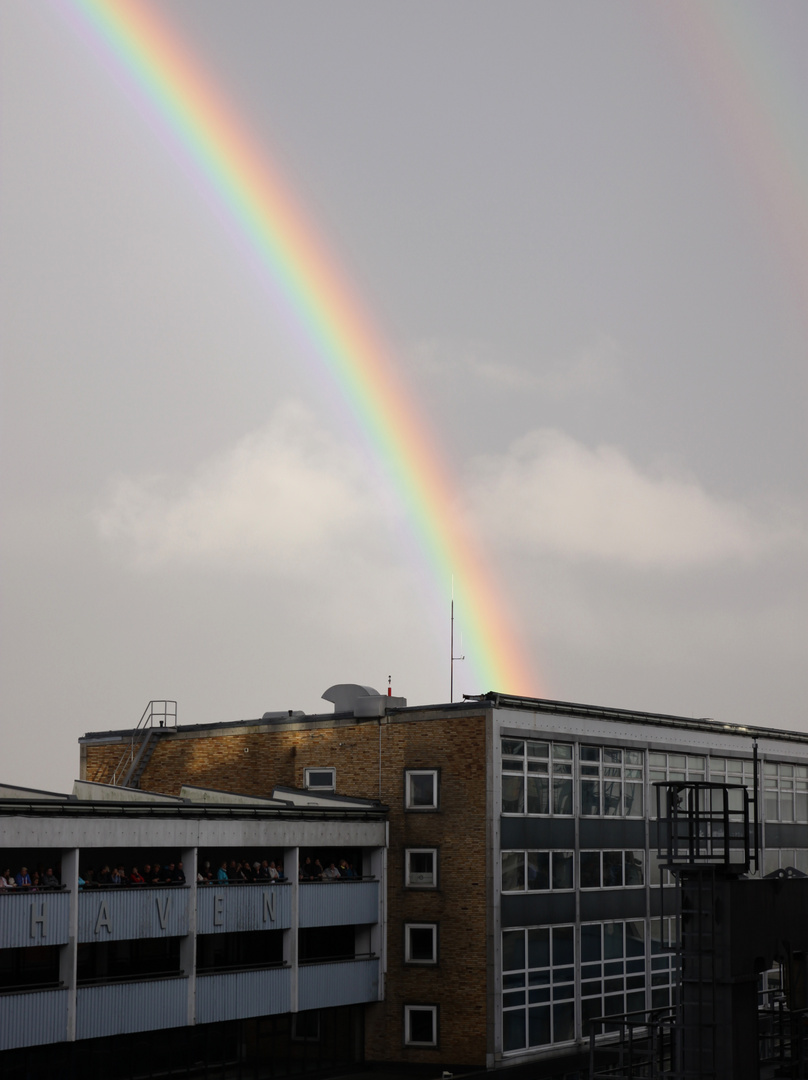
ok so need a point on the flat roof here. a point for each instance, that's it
(492, 699)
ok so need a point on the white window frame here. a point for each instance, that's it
(320, 787)
(408, 875)
(408, 1009)
(551, 853)
(408, 957)
(408, 803)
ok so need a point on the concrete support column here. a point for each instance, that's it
(378, 932)
(291, 861)
(68, 956)
(188, 943)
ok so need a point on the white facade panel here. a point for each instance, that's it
(33, 918)
(229, 908)
(120, 1008)
(33, 1019)
(125, 914)
(339, 903)
(349, 982)
(240, 994)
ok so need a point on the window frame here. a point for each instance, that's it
(551, 872)
(320, 787)
(408, 1010)
(409, 806)
(433, 851)
(600, 852)
(556, 769)
(408, 958)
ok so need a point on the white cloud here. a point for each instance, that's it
(283, 497)
(594, 368)
(550, 494)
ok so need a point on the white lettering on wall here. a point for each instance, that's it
(269, 905)
(41, 919)
(218, 910)
(163, 904)
(103, 918)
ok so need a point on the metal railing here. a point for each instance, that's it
(165, 712)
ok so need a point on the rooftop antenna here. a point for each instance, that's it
(452, 656)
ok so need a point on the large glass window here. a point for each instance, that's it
(536, 777)
(537, 870)
(611, 869)
(611, 781)
(538, 986)
(612, 970)
(786, 791)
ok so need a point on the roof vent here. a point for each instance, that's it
(344, 696)
(361, 700)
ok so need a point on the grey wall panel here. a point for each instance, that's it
(538, 909)
(125, 1007)
(228, 908)
(611, 833)
(662, 905)
(783, 835)
(339, 903)
(125, 914)
(321, 986)
(528, 832)
(239, 994)
(33, 1019)
(602, 905)
(33, 919)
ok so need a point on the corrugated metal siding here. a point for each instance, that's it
(125, 1007)
(239, 994)
(16, 919)
(227, 908)
(33, 1019)
(322, 985)
(339, 903)
(133, 913)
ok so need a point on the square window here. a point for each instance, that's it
(421, 943)
(320, 779)
(421, 867)
(420, 1025)
(421, 789)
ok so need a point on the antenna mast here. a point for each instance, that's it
(452, 656)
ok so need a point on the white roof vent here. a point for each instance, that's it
(361, 700)
(344, 696)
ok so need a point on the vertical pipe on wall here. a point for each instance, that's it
(68, 953)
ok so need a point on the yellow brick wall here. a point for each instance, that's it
(253, 761)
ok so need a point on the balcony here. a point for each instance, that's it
(227, 909)
(237, 995)
(121, 1008)
(33, 918)
(339, 903)
(127, 914)
(341, 982)
(33, 1018)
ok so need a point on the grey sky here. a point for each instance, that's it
(565, 238)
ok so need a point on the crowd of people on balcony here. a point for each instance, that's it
(224, 872)
(25, 881)
(313, 870)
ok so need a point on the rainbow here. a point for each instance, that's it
(734, 50)
(182, 98)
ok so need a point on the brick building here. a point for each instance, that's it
(521, 898)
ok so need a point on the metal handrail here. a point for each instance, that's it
(127, 761)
